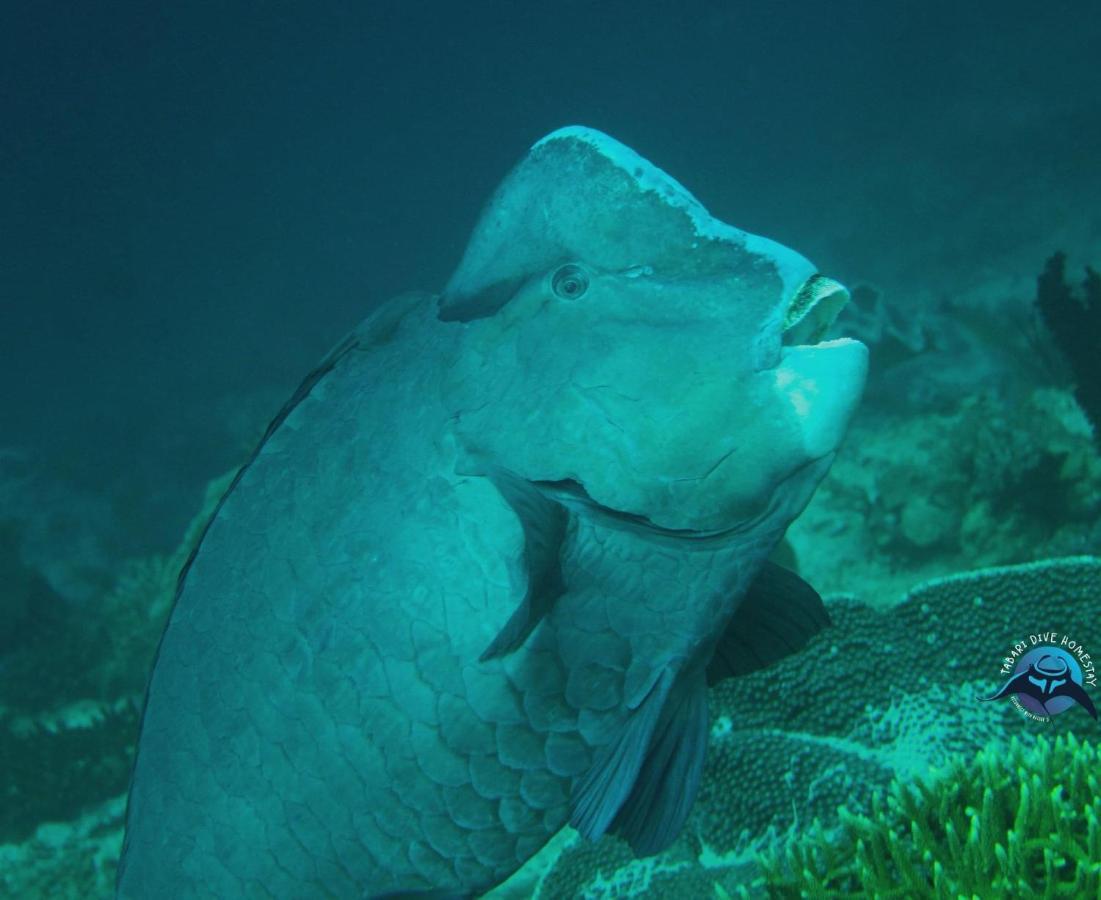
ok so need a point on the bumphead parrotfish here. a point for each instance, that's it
(475, 580)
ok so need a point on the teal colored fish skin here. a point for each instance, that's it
(321, 721)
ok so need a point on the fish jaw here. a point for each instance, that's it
(821, 386)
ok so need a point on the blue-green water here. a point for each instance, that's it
(197, 204)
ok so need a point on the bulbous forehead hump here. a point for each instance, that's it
(581, 195)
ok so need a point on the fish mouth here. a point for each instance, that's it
(811, 310)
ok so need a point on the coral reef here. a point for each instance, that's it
(70, 696)
(891, 340)
(926, 356)
(1014, 818)
(972, 448)
(885, 694)
(102, 651)
(67, 729)
(65, 534)
(913, 496)
(888, 692)
(66, 861)
(27, 602)
(56, 763)
(1075, 323)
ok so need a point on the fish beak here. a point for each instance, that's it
(812, 310)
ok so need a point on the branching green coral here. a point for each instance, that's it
(1016, 822)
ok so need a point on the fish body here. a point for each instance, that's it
(474, 582)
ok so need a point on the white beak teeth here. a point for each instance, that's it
(813, 309)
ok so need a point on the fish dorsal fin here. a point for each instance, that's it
(543, 522)
(778, 616)
(665, 789)
(601, 792)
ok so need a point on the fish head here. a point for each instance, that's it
(622, 345)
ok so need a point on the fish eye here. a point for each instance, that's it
(570, 282)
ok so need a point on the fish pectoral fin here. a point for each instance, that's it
(600, 793)
(665, 789)
(543, 522)
(778, 616)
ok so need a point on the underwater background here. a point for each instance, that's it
(198, 200)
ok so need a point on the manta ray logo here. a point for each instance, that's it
(1049, 678)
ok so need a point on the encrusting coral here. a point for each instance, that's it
(885, 694)
(1017, 821)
